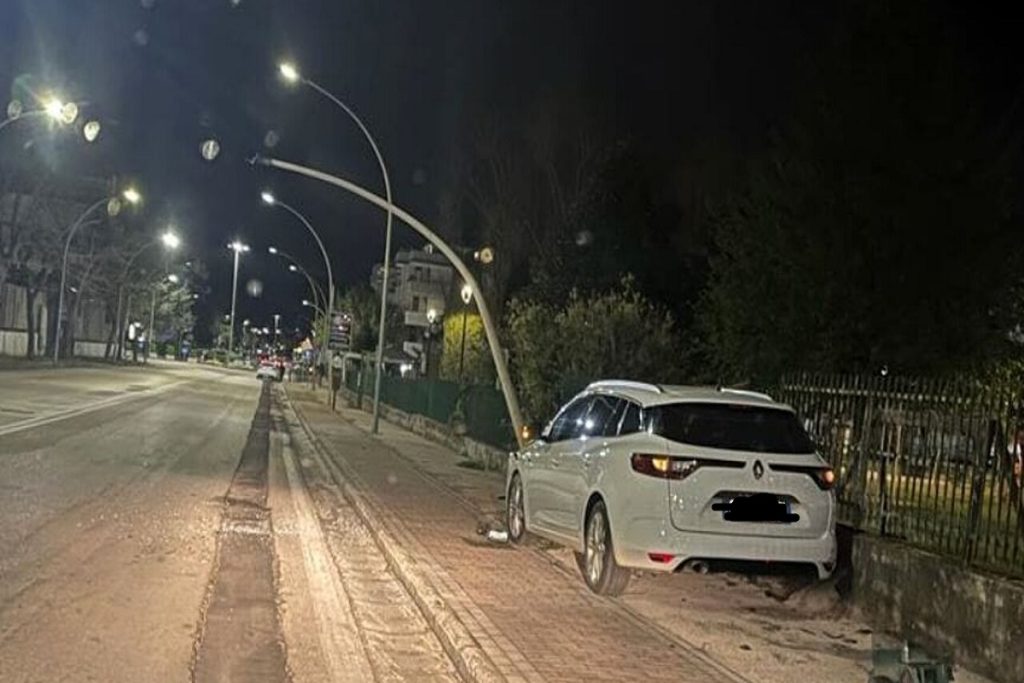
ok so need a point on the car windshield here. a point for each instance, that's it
(732, 426)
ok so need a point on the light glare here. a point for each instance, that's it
(289, 72)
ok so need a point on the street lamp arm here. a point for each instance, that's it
(511, 400)
(319, 243)
(386, 267)
(24, 115)
(64, 273)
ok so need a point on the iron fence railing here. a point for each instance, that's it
(936, 463)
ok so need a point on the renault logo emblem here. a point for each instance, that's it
(758, 470)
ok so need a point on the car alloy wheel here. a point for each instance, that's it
(597, 561)
(516, 513)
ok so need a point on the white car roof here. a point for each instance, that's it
(659, 394)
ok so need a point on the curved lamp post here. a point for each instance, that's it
(270, 200)
(130, 195)
(291, 74)
(295, 267)
(171, 241)
(490, 329)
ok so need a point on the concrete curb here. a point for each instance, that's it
(466, 653)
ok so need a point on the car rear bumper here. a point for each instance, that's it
(635, 549)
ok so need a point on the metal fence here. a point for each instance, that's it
(936, 463)
(479, 409)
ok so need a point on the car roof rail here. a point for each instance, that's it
(746, 392)
(624, 384)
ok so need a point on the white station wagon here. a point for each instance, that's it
(640, 476)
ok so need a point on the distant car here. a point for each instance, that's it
(268, 371)
(639, 476)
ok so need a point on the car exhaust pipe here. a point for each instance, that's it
(697, 566)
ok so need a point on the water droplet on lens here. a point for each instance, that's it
(254, 287)
(141, 38)
(271, 138)
(210, 149)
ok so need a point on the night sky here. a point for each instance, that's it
(164, 75)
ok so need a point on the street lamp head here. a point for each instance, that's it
(432, 316)
(272, 250)
(131, 195)
(293, 268)
(238, 247)
(268, 197)
(170, 240)
(467, 293)
(54, 108)
(305, 302)
(173, 278)
(289, 72)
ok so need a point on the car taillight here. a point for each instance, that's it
(664, 466)
(824, 477)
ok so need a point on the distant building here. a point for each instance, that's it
(420, 280)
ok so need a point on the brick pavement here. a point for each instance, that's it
(532, 619)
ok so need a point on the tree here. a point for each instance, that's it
(557, 350)
(878, 231)
(363, 304)
(476, 363)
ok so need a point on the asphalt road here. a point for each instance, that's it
(137, 541)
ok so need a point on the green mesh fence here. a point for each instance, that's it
(481, 409)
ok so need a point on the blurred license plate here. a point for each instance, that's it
(759, 507)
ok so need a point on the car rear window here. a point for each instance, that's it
(733, 427)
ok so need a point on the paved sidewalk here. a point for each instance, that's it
(532, 619)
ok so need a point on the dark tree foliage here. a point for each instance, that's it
(880, 230)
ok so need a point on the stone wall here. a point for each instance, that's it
(947, 608)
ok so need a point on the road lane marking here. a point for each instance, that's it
(69, 413)
(343, 650)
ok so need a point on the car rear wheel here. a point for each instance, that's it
(516, 511)
(597, 561)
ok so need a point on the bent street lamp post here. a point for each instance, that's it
(291, 74)
(133, 197)
(490, 329)
(270, 200)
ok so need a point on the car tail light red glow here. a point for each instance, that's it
(661, 558)
(823, 476)
(673, 467)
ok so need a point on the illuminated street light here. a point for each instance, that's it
(269, 199)
(54, 108)
(238, 248)
(170, 240)
(293, 268)
(112, 208)
(173, 279)
(132, 196)
(272, 250)
(467, 293)
(289, 72)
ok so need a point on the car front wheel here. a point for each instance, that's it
(597, 561)
(516, 511)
